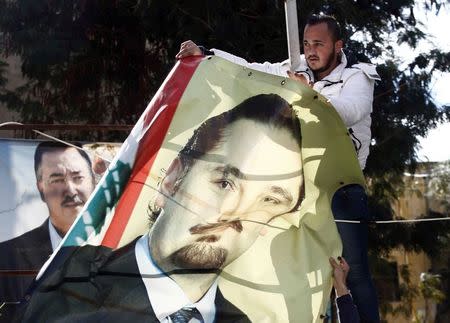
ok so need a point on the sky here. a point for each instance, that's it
(436, 147)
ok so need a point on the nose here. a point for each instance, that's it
(234, 207)
(311, 51)
(71, 188)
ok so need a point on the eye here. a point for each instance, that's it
(57, 181)
(78, 179)
(225, 185)
(271, 200)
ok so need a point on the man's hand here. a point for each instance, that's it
(340, 272)
(299, 77)
(188, 48)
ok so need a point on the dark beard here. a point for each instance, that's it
(324, 68)
(199, 255)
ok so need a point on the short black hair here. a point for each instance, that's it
(268, 109)
(50, 146)
(332, 23)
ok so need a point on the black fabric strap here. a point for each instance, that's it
(206, 51)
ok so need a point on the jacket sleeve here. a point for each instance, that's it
(279, 69)
(355, 100)
(347, 311)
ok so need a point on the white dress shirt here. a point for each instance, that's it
(165, 296)
(55, 238)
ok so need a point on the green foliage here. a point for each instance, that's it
(3, 79)
(412, 236)
(429, 287)
(408, 293)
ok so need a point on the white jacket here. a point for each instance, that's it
(348, 88)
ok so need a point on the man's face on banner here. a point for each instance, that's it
(221, 206)
(65, 184)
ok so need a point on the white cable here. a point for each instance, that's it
(396, 221)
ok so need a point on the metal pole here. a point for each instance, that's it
(290, 7)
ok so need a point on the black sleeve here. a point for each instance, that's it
(347, 311)
(206, 51)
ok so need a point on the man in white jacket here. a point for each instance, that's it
(349, 88)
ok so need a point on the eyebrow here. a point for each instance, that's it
(282, 192)
(229, 169)
(313, 41)
(56, 175)
(236, 172)
(77, 172)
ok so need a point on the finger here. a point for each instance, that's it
(185, 46)
(191, 51)
(343, 261)
(333, 262)
(300, 76)
(183, 53)
(185, 43)
(180, 54)
(292, 76)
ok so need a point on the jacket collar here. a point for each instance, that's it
(336, 74)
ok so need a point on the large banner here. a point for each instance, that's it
(217, 207)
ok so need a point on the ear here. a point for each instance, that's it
(40, 189)
(338, 46)
(166, 188)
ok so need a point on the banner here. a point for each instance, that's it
(218, 202)
(22, 208)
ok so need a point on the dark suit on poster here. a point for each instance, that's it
(26, 253)
(98, 285)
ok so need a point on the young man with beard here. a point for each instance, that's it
(349, 87)
(65, 180)
(238, 171)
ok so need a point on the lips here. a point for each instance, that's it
(72, 204)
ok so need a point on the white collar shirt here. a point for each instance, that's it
(165, 296)
(55, 238)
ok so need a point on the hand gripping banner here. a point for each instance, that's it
(216, 207)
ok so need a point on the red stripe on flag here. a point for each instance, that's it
(169, 95)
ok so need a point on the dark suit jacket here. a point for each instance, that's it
(98, 285)
(20, 260)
